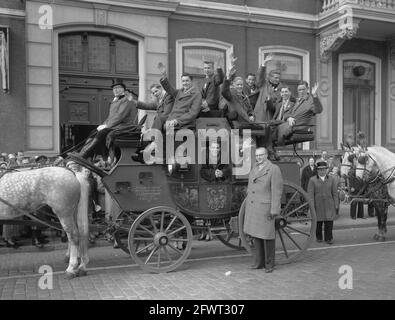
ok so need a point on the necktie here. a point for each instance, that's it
(282, 109)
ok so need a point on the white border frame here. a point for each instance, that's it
(55, 66)
(199, 42)
(377, 92)
(304, 54)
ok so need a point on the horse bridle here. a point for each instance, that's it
(363, 160)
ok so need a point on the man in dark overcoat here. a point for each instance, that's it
(211, 88)
(309, 171)
(263, 204)
(239, 107)
(122, 114)
(323, 189)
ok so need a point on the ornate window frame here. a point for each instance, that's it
(199, 42)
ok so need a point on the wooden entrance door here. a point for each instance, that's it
(359, 99)
(88, 62)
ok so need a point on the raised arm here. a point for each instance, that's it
(164, 81)
(219, 77)
(168, 87)
(317, 106)
(261, 74)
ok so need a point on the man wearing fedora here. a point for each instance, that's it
(322, 188)
(122, 114)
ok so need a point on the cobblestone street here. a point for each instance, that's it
(113, 275)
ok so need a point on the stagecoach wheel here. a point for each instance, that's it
(295, 226)
(160, 239)
(232, 238)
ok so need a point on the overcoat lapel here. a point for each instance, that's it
(264, 171)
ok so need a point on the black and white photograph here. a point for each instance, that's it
(197, 156)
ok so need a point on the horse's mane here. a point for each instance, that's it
(382, 156)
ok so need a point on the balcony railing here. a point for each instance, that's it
(332, 5)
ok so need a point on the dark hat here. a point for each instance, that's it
(322, 165)
(118, 82)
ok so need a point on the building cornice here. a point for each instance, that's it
(238, 14)
(12, 12)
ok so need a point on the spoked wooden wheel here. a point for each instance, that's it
(295, 226)
(160, 239)
(231, 237)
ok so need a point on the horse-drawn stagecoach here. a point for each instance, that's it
(164, 206)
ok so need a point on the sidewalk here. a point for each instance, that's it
(342, 222)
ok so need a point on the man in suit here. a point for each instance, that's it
(187, 101)
(123, 113)
(211, 87)
(302, 114)
(308, 172)
(323, 189)
(162, 102)
(250, 88)
(263, 204)
(240, 109)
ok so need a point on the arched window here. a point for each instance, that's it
(293, 63)
(90, 52)
(191, 53)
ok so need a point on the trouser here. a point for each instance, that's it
(353, 210)
(264, 252)
(281, 132)
(328, 227)
(98, 141)
(371, 212)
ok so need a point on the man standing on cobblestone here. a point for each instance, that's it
(265, 187)
(323, 190)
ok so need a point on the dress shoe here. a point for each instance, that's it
(318, 240)
(269, 270)
(329, 242)
(138, 158)
(254, 266)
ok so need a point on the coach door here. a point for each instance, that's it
(87, 64)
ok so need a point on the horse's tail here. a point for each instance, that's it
(82, 216)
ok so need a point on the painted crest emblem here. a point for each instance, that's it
(216, 197)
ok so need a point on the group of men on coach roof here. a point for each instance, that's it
(247, 105)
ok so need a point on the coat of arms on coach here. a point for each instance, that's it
(216, 197)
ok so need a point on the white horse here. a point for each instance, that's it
(378, 159)
(65, 191)
(378, 162)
